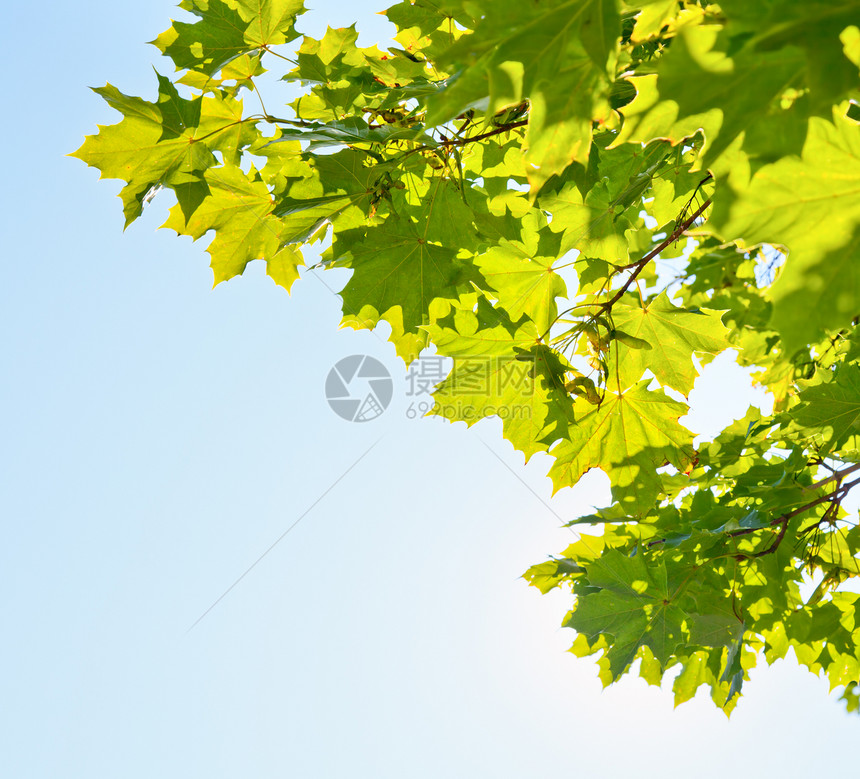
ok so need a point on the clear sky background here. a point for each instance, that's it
(157, 436)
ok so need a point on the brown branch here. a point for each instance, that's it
(774, 545)
(472, 138)
(837, 476)
(839, 493)
(640, 264)
(844, 488)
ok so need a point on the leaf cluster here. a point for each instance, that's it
(581, 202)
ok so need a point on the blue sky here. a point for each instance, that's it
(157, 436)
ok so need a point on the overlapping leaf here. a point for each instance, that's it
(396, 267)
(831, 412)
(226, 29)
(502, 369)
(556, 57)
(239, 209)
(811, 206)
(670, 336)
(629, 436)
(633, 605)
(523, 276)
(594, 225)
(688, 92)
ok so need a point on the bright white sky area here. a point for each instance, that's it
(157, 436)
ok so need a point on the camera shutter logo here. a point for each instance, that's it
(359, 388)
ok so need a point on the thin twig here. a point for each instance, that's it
(472, 138)
(640, 264)
(837, 476)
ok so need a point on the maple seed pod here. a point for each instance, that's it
(583, 387)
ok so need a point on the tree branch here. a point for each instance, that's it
(782, 520)
(640, 264)
(837, 476)
(472, 138)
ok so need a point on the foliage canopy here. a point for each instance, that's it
(610, 193)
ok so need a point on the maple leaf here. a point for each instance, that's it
(155, 144)
(239, 209)
(594, 225)
(672, 336)
(395, 267)
(811, 206)
(831, 412)
(227, 29)
(633, 604)
(501, 369)
(815, 27)
(654, 16)
(629, 436)
(523, 275)
(687, 92)
(556, 59)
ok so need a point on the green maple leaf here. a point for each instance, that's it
(628, 170)
(335, 188)
(689, 90)
(633, 605)
(628, 436)
(343, 77)
(501, 369)
(239, 210)
(524, 277)
(672, 189)
(655, 14)
(703, 667)
(498, 163)
(333, 58)
(418, 254)
(429, 26)
(814, 26)
(594, 225)
(572, 91)
(556, 58)
(437, 208)
(227, 29)
(811, 206)
(396, 267)
(155, 144)
(673, 335)
(562, 110)
(226, 131)
(850, 38)
(830, 412)
(345, 173)
(717, 627)
(336, 69)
